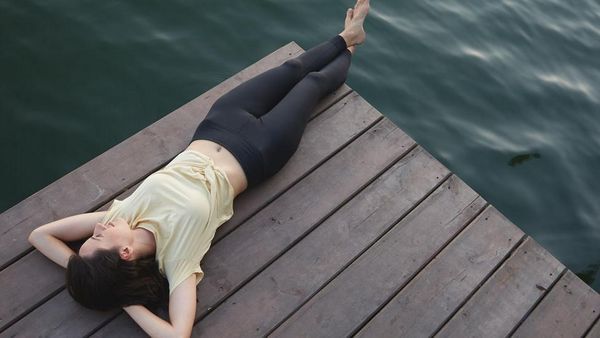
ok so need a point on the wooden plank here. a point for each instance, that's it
(420, 308)
(97, 181)
(595, 330)
(50, 325)
(290, 280)
(341, 123)
(341, 307)
(21, 283)
(382, 136)
(498, 306)
(568, 310)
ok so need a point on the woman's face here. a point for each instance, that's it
(114, 234)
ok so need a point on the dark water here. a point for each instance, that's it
(504, 93)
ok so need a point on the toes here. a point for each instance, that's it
(361, 7)
(358, 4)
(349, 14)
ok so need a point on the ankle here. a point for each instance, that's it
(347, 38)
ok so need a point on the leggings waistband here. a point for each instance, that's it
(245, 153)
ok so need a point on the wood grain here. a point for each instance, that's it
(355, 294)
(595, 330)
(292, 278)
(498, 306)
(420, 308)
(567, 311)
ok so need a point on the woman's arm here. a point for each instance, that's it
(49, 238)
(182, 312)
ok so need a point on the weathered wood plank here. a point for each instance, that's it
(97, 181)
(354, 295)
(23, 285)
(595, 330)
(334, 128)
(568, 310)
(269, 297)
(506, 297)
(51, 324)
(420, 308)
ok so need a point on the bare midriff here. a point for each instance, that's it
(224, 160)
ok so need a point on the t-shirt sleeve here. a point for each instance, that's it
(178, 270)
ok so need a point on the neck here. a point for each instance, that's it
(144, 243)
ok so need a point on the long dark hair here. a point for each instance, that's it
(104, 281)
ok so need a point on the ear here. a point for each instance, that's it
(126, 253)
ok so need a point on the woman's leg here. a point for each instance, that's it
(284, 125)
(262, 144)
(259, 94)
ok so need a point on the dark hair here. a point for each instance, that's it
(104, 281)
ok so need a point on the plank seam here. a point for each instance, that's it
(31, 309)
(104, 323)
(358, 255)
(483, 281)
(16, 258)
(546, 292)
(589, 329)
(422, 267)
(308, 231)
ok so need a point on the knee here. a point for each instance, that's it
(317, 78)
(294, 64)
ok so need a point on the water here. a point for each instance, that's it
(505, 94)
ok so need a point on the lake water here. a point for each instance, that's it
(505, 93)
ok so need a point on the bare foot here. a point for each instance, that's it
(354, 32)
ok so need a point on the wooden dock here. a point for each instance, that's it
(362, 233)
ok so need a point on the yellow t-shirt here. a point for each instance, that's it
(182, 204)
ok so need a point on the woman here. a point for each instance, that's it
(166, 226)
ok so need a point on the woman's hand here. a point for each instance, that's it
(49, 238)
(182, 312)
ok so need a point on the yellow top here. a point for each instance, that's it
(182, 204)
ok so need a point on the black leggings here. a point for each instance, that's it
(261, 121)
